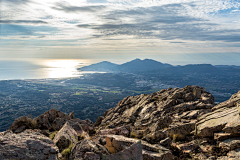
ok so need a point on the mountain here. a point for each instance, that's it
(227, 66)
(136, 65)
(142, 65)
(171, 124)
(104, 66)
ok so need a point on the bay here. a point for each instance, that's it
(42, 68)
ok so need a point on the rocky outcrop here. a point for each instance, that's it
(173, 111)
(224, 118)
(27, 145)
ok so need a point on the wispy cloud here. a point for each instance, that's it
(69, 8)
(174, 26)
(23, 21)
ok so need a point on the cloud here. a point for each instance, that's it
(74, 9)
(166, 22)
(23, 21)
(16, 1)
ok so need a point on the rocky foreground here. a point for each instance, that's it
(169, 124)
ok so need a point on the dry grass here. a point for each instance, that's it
(133, 134)
(178, 137)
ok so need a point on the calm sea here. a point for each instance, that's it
(41, 69)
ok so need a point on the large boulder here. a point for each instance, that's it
(224, 118)
(27, 145)
(117, 143)
(134, 152)
(65, 137)
(45, 120)
(87, 149)
(116, 131)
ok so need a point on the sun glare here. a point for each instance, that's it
(63, 68)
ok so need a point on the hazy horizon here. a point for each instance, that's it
(176, 31)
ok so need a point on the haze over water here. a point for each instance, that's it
(41, 69)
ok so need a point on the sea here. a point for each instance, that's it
(17, 69)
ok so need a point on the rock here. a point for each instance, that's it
(45, 120)
(224, 117)
(116, 131)
(98, 121)
(81, 150)
(155, 137)
(86, 125)
(230, 144)
(117, 143)
(224, 136)
(188, 147)
(65, 137)
(150, 113)
(166, 142)
(91, 156)
(134, 152)
(201, 156)
(179, 131)
(234, 153)
(58, 123)
(27, 145)
(71, 115)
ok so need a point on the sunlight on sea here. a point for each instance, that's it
(63, 68)
(42, 68)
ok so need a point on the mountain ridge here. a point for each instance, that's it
(138, 65)
(132, 66)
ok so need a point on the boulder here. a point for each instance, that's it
(134, 152)
(188, 147)
(230, 144)
(224, 118)
(155, 137)
(59, 123)
(45, 120)
(27, 145)
(65, 137)
(179, 130)
(166, 142)
(71, 115)
(98, 121)
(85, 148)
(116, 131)
(117, 143)
(86, 125)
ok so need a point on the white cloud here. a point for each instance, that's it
(171, 26)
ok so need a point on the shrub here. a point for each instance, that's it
(52, 135)
(81, 136)
(23, 121)
(66, 152)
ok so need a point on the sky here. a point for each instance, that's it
(170, 31)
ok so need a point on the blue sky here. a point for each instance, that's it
(170, 31)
